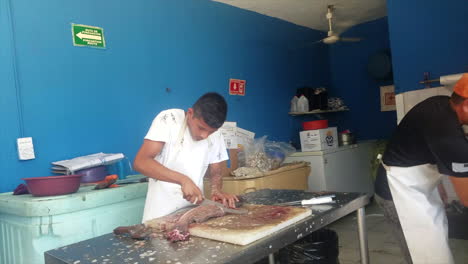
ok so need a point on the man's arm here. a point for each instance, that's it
(216, 178)
(145, 164)
(443, 193)
(461, 188)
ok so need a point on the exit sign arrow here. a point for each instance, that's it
(82, 35)
(88, 36)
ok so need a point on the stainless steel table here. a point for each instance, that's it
(115, 249)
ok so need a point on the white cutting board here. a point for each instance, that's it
(261, 221)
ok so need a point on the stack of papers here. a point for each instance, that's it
(85, 162)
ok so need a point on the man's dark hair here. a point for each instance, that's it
(212, 108)
(457, 99)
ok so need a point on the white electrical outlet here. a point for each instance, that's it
(25, 148)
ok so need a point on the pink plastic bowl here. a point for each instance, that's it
(53, 185)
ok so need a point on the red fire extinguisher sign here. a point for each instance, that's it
(236, 87)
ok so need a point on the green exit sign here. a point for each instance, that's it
(88, 36)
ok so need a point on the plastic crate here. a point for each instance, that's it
(29, 225)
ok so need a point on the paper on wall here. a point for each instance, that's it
(387, 98)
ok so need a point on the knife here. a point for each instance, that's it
(225, 208)
(315, 200)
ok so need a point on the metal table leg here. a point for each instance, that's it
(361, 219)
(271, 259)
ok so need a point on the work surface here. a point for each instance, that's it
(114, 249)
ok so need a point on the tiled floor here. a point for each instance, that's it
(383, 248)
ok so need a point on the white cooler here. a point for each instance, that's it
(29, 225)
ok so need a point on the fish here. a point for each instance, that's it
(175, 226)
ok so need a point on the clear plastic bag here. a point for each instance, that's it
(264, 154)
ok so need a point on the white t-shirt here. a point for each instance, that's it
(184, 155)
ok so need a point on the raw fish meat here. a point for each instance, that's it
(175, 226)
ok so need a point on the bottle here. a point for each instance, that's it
(294, 104)
(302, 104)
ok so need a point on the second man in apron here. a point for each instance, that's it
(429, 142)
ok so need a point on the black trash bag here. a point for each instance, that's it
(457, 217)
(320, 247)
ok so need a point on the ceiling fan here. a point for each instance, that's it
(333, 37)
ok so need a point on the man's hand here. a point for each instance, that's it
(215, 172)
(227, 199)
(191, 192)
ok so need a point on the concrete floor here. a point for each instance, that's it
(383, 248)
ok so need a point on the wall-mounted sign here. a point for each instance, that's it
(387, 98)
(236, 87)
(88, 36)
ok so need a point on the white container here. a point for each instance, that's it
(319, 139)
(302, 104)
(294, 104)
(30, 225)
(343, 169)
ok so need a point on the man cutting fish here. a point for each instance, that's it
(428, 142)
(176, 153)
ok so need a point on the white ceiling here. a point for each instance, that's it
(311, 13)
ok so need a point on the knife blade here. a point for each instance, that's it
(225, 208)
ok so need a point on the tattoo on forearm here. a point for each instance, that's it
(216, 177)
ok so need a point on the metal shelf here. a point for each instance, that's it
(315, 112)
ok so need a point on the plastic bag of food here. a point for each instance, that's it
(278, 150)
(264, 154)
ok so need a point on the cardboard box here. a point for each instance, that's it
(244, 137)
(319, 139)
(234, 136)
(295, 178)
(228, 130)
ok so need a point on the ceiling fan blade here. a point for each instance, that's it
(305, 44)
(331, 39)
(318, 41)
(350, 39)
(313, 42)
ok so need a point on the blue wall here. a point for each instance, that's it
(427, 36)
(76, 101)
(350, 80)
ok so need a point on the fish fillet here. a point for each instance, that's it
(175, 226)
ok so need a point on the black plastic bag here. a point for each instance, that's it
(320, 247)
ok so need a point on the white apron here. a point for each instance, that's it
(163, 197)
(421, 212)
